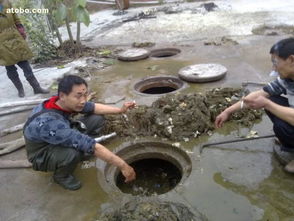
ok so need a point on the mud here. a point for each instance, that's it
(180, 117)
(149, 210)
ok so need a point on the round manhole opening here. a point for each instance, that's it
(164, 52)
(160, 168)
(159, 85)
(153, 176)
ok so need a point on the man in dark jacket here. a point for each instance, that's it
(52, 142)
(280, 109)
(15, 51)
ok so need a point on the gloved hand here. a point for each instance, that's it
(21, 30)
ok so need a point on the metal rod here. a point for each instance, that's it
(234, 141)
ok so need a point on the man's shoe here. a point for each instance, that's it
(290, 167)
(69, 182)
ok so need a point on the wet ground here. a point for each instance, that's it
(240, 181)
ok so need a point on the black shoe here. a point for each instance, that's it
(69, 182)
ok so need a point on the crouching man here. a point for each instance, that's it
(280, 109)
(54, 143)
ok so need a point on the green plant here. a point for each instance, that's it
(40, 37)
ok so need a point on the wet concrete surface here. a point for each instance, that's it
(240, 181)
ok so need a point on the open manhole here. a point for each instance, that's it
(160, 167)
(164, 52)
(159, 85)
(153, 176)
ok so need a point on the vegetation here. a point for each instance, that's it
(42, 29)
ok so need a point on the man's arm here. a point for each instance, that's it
(224, 116)
(106, 109)
(103, 153)
(282, 112)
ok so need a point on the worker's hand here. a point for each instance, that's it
(128, 105)
(128, 173)
(220, 119)
(256, 102)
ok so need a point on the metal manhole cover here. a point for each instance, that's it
(203, 72)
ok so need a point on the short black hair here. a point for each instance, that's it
(66, 83)
(283, 48)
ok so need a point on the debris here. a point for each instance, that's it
(175, 116)
(87, 164)
(252, 133)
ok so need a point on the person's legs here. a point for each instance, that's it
(94, 124)
(62, 161)
(13, 76)
(28, 73)
(283, 130)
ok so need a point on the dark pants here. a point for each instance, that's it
(24, 65)
(283, 130)
(55, 157)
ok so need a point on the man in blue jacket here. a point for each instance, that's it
(280, 109)
(53, 143)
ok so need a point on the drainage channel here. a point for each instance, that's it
(160, 168)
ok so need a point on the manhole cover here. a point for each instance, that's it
(164, 52)
(202, 72)
(160, 167)
(159, 85)
(133, 54)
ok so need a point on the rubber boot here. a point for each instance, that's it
(17, 83)
(36, 86)
(63, 176)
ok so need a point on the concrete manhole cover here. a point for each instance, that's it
(164, 52)
(160, 167)
(159, 85)
(202, 72)
(133, 54)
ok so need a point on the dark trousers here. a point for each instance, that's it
(55, 157)
(24, 65)
(283, 130)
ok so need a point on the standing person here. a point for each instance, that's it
(52, 142)
(14, 50)
(280, 109)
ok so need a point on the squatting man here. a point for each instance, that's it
(54, 142)
(280, 109)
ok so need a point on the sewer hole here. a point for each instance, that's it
(158, 85)
(165, 52)
(154, 176)
(158, 90)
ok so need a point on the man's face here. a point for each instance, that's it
(76, 99)
(285, 67)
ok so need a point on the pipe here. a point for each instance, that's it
(235, 141)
